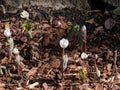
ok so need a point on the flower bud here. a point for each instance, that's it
(24, 14)
(7, 33)
(84, 55)
(83, 28)
(64, 43)
(15, 51)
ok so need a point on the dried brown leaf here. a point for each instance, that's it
(109, 67)
(99, 87)
(32, 86)
(91, 21)
(32, 72)
(55, 63)
(45, 86)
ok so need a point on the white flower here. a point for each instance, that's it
(15, 51)
(83, 28)
(24, 14)
(64, 43)
(84, 55)
(7, 33)
(65, 61)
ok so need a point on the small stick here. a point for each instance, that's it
(71, 74)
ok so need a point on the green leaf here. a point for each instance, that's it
(82, 75)
(28, 26)
(74, 30)
(30, 33)
(9, 41)
(117, 11)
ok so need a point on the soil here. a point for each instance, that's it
(41, 57)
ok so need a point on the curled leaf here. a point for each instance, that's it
(117, 11)
(65, 61)
(28, 28)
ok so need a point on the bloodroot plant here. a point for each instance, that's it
(97, 70)
(27, 24)
(80, 35)
(83, 38)
(17, 59)
(64, 44)
(9, 42)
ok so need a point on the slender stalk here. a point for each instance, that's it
(9, 56)
(84, 47)
(63, 53)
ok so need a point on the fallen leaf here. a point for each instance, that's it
(32, 86)
(99, 87)
(2, 88)
(109, 54)
(91, 21)
(55, 63)
(88, 88)
(118, 76)
(2, 85)
(32, 71)
(109, 67)
(45, 86)
(60, 87)
(4, 60)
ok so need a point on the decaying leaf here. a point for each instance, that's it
(45, 86)
(117, 11)
(99, 87)
(2, 85)
(32, 86)
(32, 71)
(7, 25)
(109, 67)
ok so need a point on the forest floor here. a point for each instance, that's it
(41, 56)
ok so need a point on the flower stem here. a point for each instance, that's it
(63, 52)
(84, 47)
(9, 56)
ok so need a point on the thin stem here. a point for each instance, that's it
(9, 56)
(84, 47)
(63, 52)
